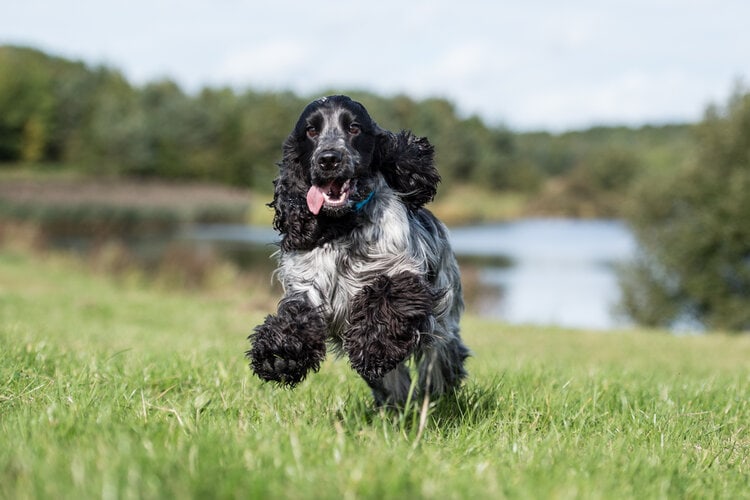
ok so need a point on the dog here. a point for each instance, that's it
(365, 268)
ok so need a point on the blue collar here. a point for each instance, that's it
(361, 204)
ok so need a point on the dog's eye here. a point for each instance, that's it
(312, 132)
(355, 129)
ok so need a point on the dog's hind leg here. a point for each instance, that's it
(392, 390)
(441, 366)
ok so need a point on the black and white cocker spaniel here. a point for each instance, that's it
(364, 267)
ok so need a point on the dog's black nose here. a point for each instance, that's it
(329, 159)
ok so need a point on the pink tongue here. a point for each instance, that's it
(315, 199)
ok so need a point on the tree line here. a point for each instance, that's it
(57, 111)
(64, 113)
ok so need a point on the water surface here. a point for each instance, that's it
(562, 271)
(533, 271)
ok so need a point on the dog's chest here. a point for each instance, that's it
(320, 268)
(328, 276)
(333, 274)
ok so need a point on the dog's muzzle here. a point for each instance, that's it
(333, 195)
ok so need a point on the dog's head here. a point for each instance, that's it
(334, 142)
(330, 166)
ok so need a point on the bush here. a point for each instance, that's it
(694, 232)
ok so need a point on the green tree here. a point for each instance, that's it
(26, 104)
(266, 120)
(113, 137)
(694, 231)
(45, 102)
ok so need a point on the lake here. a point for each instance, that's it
(561, 271)
(531, 271)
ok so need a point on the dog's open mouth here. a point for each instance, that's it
(335, 194)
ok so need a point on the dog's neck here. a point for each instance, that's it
(361, 204)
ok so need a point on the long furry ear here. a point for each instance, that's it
(292, 219)
(408, 166)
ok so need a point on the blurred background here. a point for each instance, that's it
(595, 155)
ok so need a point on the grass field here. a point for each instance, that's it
(113, 389)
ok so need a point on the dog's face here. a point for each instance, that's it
(334, 161)
(334, 141)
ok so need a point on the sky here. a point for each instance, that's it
(527, 65)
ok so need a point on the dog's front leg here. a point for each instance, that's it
(290, 343)
(385, 323)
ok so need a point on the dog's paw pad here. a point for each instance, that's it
(282, 371)
(284, 366)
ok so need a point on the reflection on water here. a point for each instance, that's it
(534, 271)
(562, 271)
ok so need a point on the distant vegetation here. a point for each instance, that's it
(694, 231)
(105, 209)
(60, 114)
(682, 187)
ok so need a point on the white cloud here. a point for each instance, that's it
(461, 63)
(632, 97)
(273, 62)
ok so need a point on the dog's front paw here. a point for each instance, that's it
(386, 319)
(288, 345)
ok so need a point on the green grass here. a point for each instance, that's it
(116, 390)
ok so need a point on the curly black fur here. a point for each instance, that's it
(407, 163)
(288, 345)
(385, 323)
